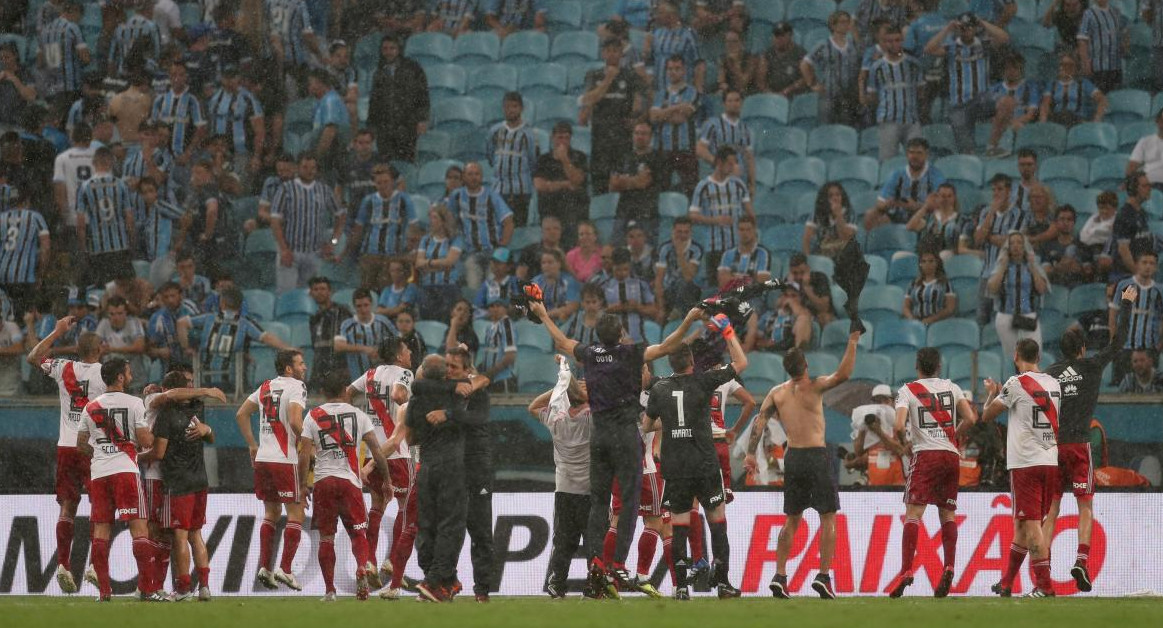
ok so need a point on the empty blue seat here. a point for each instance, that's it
(771, 107)
(1128, 105)
(1045, 138)
(430, 181)
(490, 82)
(543, 80)
(556, 109)
(457, 115)
(961, 168)
(988, 365)
(673, 204)
(783, 238)
(445, 81)
(963, 267)
(467, 147)
(1056, 299)
(832, 141)
(954, 332)
(953, 8)
(575, 48)
(260, 304)
(1130, 134)
(766, 12)
(1073, 169)
(429, 48)
(801, 175)
(1108, 171)
(940, 138)
(821, 363)
(835, 337)
(367, 51)
(603, 205)
(782, 143)
(882, 304)
(856, 173)
(896, 336)
(576, 76)
(767, 366)
(968, 298)
(889, 239)
(869, 142)
(596, 12)
(536, 372)
(1086, 298)
(874, 368)
(477, 48)
(890, 166)
(805, 15)
(804, 110)
(564, 15)
(877, 270)
(1092, 139)
(764, 173)
(295, 305)
(902, 270)
(525, 48)
(433, 332)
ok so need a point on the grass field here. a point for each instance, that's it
(517, 612)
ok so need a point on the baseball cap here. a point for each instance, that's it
(93, 298)
(76, 297)
(881, 390)
(501, 254)
(781, 28)
(336, 44)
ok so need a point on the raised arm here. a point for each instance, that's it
(185, 394)
(1108, 353)
(43, 347)
(560, 341)
(672, 342)
(847, 363)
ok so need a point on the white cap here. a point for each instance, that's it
(882, 390)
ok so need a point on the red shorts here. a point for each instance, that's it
(337, 498)
(277, 482)
(1075, 470)
(117, 497)
(155, 496)
(649, 499)
(403, 475)
(1034, 489)
(185, 512)
(72, 474)
(933, 478)
(723, 450)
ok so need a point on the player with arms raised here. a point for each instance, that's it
(282, 402)
(332, 433)
(935, 412)
(78, 381)
(388, 387)
(1033, 400)
(681, 404)
(113, 429)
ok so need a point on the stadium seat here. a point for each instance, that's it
(525, 48)
(445, 81)
(1057, 299)
(543, 80)
(821, 363)
(476, 49)
(430, 180)
(801, 175)
(596, 12)
(770, 107)
(1130, 134)
(533, 336)
(576, 76)
(367, 52)
(856, 173)
(1069, 169)
(468, 147)
(954, 332)
(1128, 105)
(804, 110)
(603, 205)
(835, 337)
(433, 332)
(940, 138)
(429, 48)
(953, 8)
(536, 373)
(783, 238)
(782, 143)
(877, 270)
(1086, 298)
(882, 305)
(1108, 171)
(1092, 139)
(556, 109)
(890, 166)
(766, 365)
(433, 145)
(564, 15)
(961, 169)
(260, 304)
(832, 141)
(1053, 324)
(771, 208)
(897, 336)
(299, 116)
(902, 270)
(803, 207)
(812, 38)
(766, 12)
(968, 298)
(300, 334)
(889, 239)
(189, 14)
(869, 142)
(874, 368)
(457, 115)
(988, 365)
(652, 331)
(673, 204)
(574, 48)
(764, 173)
(1045, 138)
(293, 306)
(964, 266)
(822, 264)
(805, 15)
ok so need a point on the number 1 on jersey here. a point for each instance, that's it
(678, 401)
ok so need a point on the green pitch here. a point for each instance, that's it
(542, 612)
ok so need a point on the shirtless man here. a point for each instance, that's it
(808, 481)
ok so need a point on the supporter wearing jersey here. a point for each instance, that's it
(71, 168)
(1102, 39)
(1033, 401)
(671, 39)
(967, 64)
(225, 335)
(380, 230)
(63, 53)
(905, 191)
(290, 33)
(179, 108)
(281, 403)
(360, 336)
(729, 130)
(930, 297)
(387, 388)
(933, 415)
(486, 222)
(300, 211)
(105, 223)
(112, 431)
(1144, 331)
(512, 152)
(1016, 102)
(717, 204)
(675, 115)
(77, 382)
(332, 434)
(894, 83)
(137, 35)
(832, 70)
(1071, 99)
(161, 222)
(24, 252)
(747, 259)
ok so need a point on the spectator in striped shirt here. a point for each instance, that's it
(1142, 380)
(717, 204)
(512, 151)
(325, 325)
(234, 111)
(905, 191)
(612, 101)
(486, 222)
(162, 330)
(1146, 315)
(831, 225)
(151, 159)
(105, 223)
(1153, 13)
(583, 325)
(641, 253)
(994, 225)
(729, 130)
(360, 336)
(1016, 103)
(179, 108)
(892, 12)
(24, 253)
(225, 334)
(675, 115)
(291, 36)
(930, 297)
(498, 352)
(298, 214)
(748, 258)
(787, 325)
(344, 77)
(832, 70)
(196, 288)
(62, 55)
(437, 264)
(1027, 178)
(894, 82)
(164, 226)
(355, 180)
(629, 298)
(671, 38)
(380, 225)
(286, 169)
(561, 292)
(505, 17)
(399, 294)
(1017, 281)
(1071, 100)
(940, 226)
(137, 35)
(1064, 259)
(1103, 40)
(967, 62)
(452, 17)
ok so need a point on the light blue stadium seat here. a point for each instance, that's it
(1128, 105)
(673, 204)
(770, 208)
(536, 372)
(835, 337)
(525, 48)
(457, 115)
(822, 264)
(433, 332)
(801, 175)
(783, 238)
(476, 48)
(300, 334)
(804, 110)
(766, 13)
(901, 270)
(803, 207)
(294, 306)
(782, 143)
(856, 173)
(869, 142)
(556, 109)
(768, 107)
(821, 363)
(533, 336)
(189, 13)
(1085, 298)
(430, 181)
(445, 81)
(968, 297)
(652, 332)
(564, 15)
(877, 270)
(966, 169)
(988, 365)
(874, 368)
(1091, 139)
(1045, 138)
(574, 48)
(808, 14)
(603, 205)
(433, 145)
(812, 38)
(260, 241)
(953, 8)
(429, 48)
(523, 237)
(897, 336)
(954, 332)
(1057, 299)
(767, 366)
(890, 166)
(886, 240)
(543, 80)
(1073, 169)
(1054, 324)
(299, 116)
(963, 267)
(832, 141)
(883, 304)
(576, 76)
(468, 147)
(1108, 171)
(940, 138)
(596, 12)
(260, 304)
(367, 52)
(1130, 134)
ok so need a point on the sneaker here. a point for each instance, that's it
(996, 152)
(778, 587)
(156, 596)
(330, 597)
(433, 593)
(944, 585)
(1000, 590)
(555, 591)
(644, 586)
(267, 579)
(699, 573)
(410, 585)
(623, 580)
(823, 585)
(373, 575)
(1036, 592)
(386, 571)
(390, 594)
(203, 594)
(362, 590)
(181, 596)
(288, 579)
(482, 598)
(91, 576)
(455, 589)
(612, 590)
(898, 584)
(1081, 577)
(66, 582)
(682, 594)
(726, 591)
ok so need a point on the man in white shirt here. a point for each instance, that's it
(72, 168)
(872, 439)
(1148, 155)
(123, 335)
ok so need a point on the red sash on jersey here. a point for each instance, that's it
(1041, 399)
(944, 419)
(270, 411)
(377, 404)
(717, 403)
(334, 429)
(77, 393)
(112, 431)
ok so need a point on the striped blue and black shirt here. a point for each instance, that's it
(163, 159)
(20, 252)
(1027, 94)
(288, 21)
(724, 131)
(362, 334)
(440, 248)
(623, 291)
(500, 338)
(666, 42)
(1075, 96)
(901, 185)
(1017, 295)
(230, 114)
(482, 217)
(158, 226)
(1103, 28)
(754, 263)
(304, 209)
(512, 153)
(138, 30)
(667, 261)
(60, 46)
(895, 86)
(713, 198)
(968, 68)
(558, 293)
(183, 113)
(105, 201)
(517, 13)
(681, 136)
(1146, 314)
(928, 297)
(576, 329)
(837, 69)
(1156, 7)
(385, 222)
(1012, 219)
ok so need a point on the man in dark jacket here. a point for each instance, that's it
(398, 105)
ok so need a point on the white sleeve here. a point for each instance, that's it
(365, 423)
(1009, 392)
(300, 396)
(310, 430)
(359, 384)
(902, 397)
(59, 170)
(256, 397)
(138, 410)
(858, 425)
(559, 400)
(406, 380)
(1138, 153)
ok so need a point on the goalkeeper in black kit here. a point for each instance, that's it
(680, 405)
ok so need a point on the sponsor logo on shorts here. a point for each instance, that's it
(1081, 485)
(286, 493)
(360, 526)
(951, 502)
(716, 499)
(124, 511)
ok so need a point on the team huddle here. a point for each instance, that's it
(656, 445)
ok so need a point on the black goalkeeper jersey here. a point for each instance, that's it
(1080, 381)
(183, 468)
(683, 404)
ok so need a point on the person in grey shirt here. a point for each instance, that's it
(564, 411)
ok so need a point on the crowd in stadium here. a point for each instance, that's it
(326, 174)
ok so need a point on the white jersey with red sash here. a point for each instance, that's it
(377, 384)
(276, 441)
(932, 420)
(1034, 400)
(77, 383)
(719, 407)
(112, 421)
(337, 430)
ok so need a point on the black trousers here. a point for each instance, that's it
(570, 512)
(519, 203)
(395, 143)
(615, 452)
(479, 484)
(442, 508)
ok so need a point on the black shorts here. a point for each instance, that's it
(808, 482)
(680, 493)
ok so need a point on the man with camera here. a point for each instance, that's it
(875, 450)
